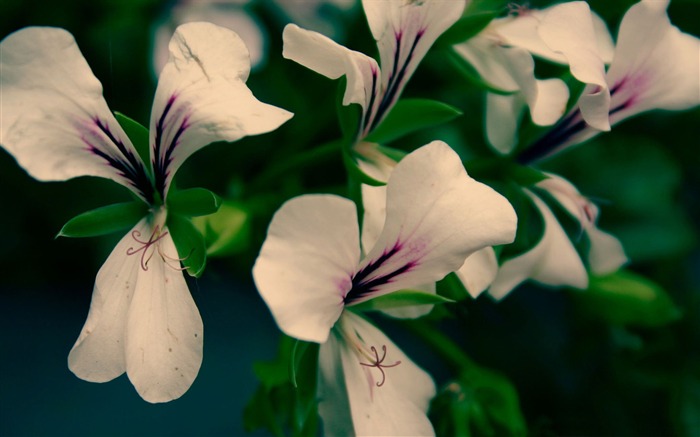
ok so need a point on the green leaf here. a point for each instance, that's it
(625, 298)
(104, 220)
(227, 231)
(298, 351)
(189, 243)
(356, 173)
(452, 287)
(409, 115)
(138, 136)
(401, 298)
(193, 202)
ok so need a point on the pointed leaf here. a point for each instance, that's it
(401, 298)
(193, 202)
(104, 220)
(189, 243)
(625, 298)
(410, 115)
(138, 135)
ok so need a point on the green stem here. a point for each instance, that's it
(442, 344)
(295, 162)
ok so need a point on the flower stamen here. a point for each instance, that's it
(154, 238)
(379, 363)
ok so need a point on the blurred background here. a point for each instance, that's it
(575, 372)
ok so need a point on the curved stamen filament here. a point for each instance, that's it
(173, 259)
(154, 238)
(379, 363)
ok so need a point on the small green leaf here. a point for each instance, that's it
(356, 173)
(138, 136)
(625, 298)
(193, 202)
(189, 243)
(410, 115)
(401, 298)
(104, 220)
(298, 351)
(227, 231)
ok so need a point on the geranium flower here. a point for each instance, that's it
(655, 66)
(404, 31)
(311, 272)
(554, 260)
(57, 125)
(502, 54)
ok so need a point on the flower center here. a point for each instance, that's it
(379, 363)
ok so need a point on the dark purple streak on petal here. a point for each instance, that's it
(162, 156)
(125, 162)
(397, 76)
(362, 285)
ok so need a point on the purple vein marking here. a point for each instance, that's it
(128, 164)
(397, 76)
(362, 285)
(162, 157)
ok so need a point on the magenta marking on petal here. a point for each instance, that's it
(363, 283)
(163, 154)
(122, 159)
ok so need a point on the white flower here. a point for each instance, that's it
(57, 125)
(311, 268)
(404, 31)
(502, 54)
(554, 260)
(655, 66)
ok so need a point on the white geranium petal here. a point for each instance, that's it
(164, 330)
(98, 354)
(436, 217)
(655, 64)
(333, 402)
(568, 29)
(404, 32)
(503, 114)
(202, 98)
(388, 393)
(553, 261)
(478, 271)
(306, 263)
(55, 121)
(606, 254)
(324, 56)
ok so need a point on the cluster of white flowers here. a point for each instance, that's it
(429, 219)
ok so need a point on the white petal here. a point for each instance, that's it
(478, 271)
(387, 401)
(606, 254)
(546, 98)
(55, 121)
(655, 65)
(333, 402)
(98, 354)
(202, 98)
(553, 261)
(568, 29)
(306, 262)
(489, 59)
(324, 56)
(436, 217)
(404, 32)
(164, 330)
